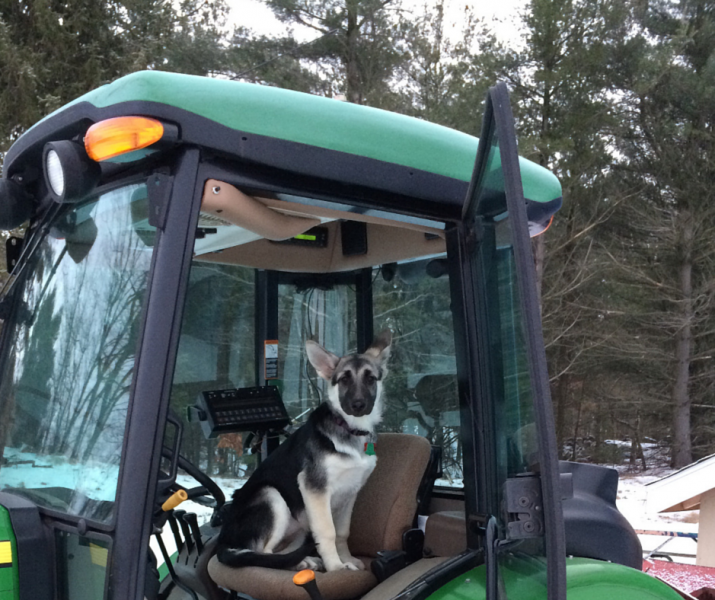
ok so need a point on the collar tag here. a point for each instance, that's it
(370, 448)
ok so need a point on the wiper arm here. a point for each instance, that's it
(28, 250)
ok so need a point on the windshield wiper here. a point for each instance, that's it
(28, 251)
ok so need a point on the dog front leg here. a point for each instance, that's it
(320, 520)
(342, 529)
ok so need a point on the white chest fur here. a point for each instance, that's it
(347, 473)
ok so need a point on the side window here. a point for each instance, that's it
(412, 299)
(216, 351)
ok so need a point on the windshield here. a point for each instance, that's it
(68, 355)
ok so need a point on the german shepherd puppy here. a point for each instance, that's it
(302, 495)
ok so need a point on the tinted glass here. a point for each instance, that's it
(68, 357)
(510, 400)
(516, 439)
(327, 316)
(81, 566)
(216, 351)
(421, 388)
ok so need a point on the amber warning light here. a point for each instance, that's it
(113, 137)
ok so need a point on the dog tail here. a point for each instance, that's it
(236, 557)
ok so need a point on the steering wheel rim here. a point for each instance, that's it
(204, 480)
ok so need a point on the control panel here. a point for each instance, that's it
(239, 409)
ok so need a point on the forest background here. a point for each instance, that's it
(616, 97)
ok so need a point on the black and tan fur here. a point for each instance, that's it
(302, 496)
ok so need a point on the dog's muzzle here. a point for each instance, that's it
(358, 407)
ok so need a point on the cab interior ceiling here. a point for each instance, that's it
(243, 229)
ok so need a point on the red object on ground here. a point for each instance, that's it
(697, 581)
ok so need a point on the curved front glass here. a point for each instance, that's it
(68, 355)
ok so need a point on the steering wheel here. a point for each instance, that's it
(208, 493)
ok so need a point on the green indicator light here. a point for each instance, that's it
(310, 238)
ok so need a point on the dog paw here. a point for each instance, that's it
(354, 562)
(336, 566)
(314, 563)
(310, 562)
(353, 567)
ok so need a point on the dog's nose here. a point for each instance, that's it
(357, 405)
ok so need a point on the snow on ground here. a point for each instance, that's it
(203, 513)
(632, 494)
(35, 471)
(631, 502)
(98, 482)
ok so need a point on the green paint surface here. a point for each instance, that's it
(587, 579)
(317, 121)
(9, 579)
(163, 569)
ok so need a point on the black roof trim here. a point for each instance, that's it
(441, 196)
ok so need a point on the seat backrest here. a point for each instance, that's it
(386, 505)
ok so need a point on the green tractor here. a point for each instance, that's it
(186, 237)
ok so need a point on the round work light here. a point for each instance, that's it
(69, 173)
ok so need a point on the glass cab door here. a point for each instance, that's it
(67, 365)
(516, 508)
(83, 390)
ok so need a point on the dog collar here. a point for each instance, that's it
(357, 432)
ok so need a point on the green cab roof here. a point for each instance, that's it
(318, 121)
(219, 113)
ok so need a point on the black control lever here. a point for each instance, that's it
(170, 568)
(190, 519)
(175, 530)
(185, 530)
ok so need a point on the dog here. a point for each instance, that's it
(302, 496)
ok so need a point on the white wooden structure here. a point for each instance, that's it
(690, 488)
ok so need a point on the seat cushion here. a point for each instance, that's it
(267, 584)
(384, 510)
(446, 534)
(387, 504)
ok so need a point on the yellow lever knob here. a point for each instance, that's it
(174, 500)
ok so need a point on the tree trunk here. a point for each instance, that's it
(682, 447)
(577, 425)
(538, 244)
(560, 396)
(352, 72)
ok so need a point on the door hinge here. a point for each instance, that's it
(5, 307)
(159, 187)
(13, 250)
(524, 507)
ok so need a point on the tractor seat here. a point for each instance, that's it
(384, 510)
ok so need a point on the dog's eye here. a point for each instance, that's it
(370, 378)
(345, 377)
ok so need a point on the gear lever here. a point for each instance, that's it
(306, 580)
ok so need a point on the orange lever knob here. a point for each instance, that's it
(306, 580)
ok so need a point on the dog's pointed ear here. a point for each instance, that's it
(380, 349)
(323, 361)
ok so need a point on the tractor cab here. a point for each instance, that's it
(186, 237)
